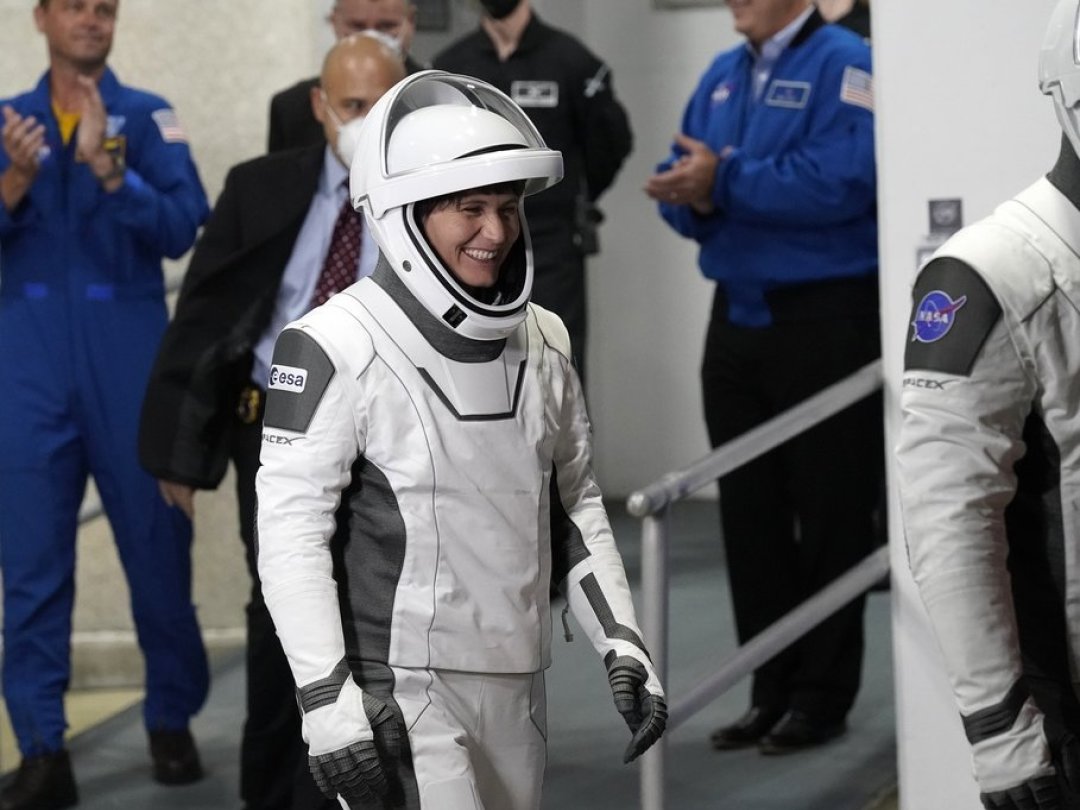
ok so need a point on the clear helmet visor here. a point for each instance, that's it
(440, 133)
(1059, 67)
(432, 136)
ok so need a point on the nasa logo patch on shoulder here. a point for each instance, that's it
(935, 315)
(954, 311)
(299, 375)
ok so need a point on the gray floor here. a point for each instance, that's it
(586, 735)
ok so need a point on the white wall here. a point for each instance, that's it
(648, 302)
(218, 63)
(958, 115)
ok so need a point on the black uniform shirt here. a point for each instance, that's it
(566, 91)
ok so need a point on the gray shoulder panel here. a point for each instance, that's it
(299, 375)
(953, 311)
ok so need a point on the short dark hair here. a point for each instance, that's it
(425, 207)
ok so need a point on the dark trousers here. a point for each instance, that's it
(559, 282)
(274, 773)
(796, 518)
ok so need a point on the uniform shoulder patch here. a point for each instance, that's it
(952, 315)
(168, 125)
(299, 375)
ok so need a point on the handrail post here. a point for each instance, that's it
(654, 581)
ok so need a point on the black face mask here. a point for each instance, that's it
(498, 9)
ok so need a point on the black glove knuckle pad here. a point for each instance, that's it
(354, 772)
(1040, 793)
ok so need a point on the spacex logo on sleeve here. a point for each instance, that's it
(288, 378)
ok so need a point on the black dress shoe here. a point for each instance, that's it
(176, 760)
(43, 782)
(747, 730)
(797, 730)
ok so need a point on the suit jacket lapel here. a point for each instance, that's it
(282, 198)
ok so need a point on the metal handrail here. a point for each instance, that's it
(756, 442)
(779, 635)
(653, 504)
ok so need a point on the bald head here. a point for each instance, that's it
(356, 73)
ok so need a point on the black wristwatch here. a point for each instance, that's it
(119, 166)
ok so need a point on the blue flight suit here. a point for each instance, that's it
(82, 310)
(795, 195)
(792, 245)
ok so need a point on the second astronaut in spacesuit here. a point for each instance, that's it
(989, 466)
(426, 475)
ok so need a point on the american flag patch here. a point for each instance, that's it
(857, 88)
(169, 126)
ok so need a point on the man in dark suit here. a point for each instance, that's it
(567, 91)
(291, 121)
(281, 228)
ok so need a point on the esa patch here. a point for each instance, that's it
(952, 315)
(299, 375)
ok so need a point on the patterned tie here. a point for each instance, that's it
(340, 268)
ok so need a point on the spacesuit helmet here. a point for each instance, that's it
(1059, 67)
(436, 134)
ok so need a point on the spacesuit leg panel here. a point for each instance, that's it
(152, 538)
(440, 764)
(478, 740)
(511, 745)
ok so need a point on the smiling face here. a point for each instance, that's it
(757, 20)
(473, 232)
(79, 33)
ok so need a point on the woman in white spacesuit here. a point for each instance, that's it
(426, 476)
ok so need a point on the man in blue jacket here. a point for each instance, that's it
(773, 175)
(97, 185)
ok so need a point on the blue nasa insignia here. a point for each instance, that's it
(722, 93)
(935, 316)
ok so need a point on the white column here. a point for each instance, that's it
(959, 114)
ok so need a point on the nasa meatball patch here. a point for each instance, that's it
(299, 375)
(952, 315)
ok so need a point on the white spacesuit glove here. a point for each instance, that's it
(644, 710)
(1041, 793)
(1045, 792)
(346, 731)
(597, 593)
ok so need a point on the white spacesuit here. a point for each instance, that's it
(425, 477)
(989, 462)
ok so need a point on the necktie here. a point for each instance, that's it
(339, 269)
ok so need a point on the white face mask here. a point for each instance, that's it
(348, 134)
(348, 138)
(392, 41)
